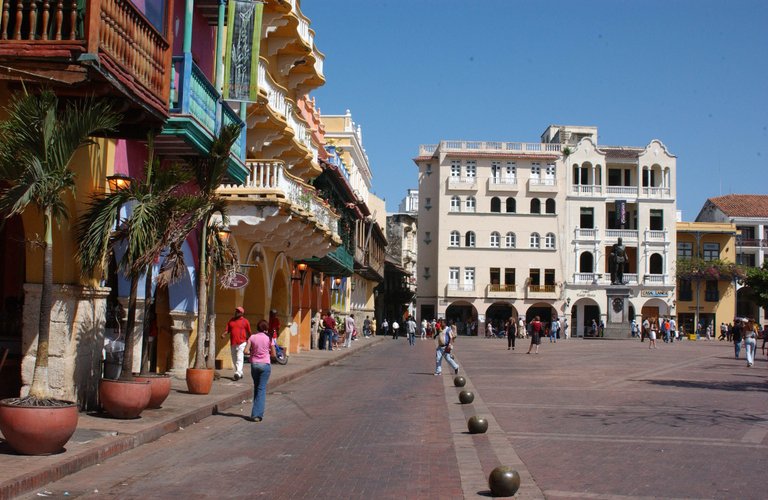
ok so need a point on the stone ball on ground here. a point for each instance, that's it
(459, 381)
(477, 425)
(504, 481)
(466, 397)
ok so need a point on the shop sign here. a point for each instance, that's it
(654, 293)
(234, 280)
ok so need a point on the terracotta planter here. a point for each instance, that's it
(160, 385)
(199, 380)
(124, 398)
(38, 430)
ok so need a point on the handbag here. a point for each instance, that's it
(448, 348)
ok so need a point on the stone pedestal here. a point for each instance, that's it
(181, 328)
(618, 324)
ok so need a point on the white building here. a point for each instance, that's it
(524, 229)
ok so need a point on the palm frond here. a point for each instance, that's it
(96, 230)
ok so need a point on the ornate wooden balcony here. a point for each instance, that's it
(106, 48)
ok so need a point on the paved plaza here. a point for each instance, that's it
(582, 419)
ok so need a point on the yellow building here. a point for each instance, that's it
(706, 291)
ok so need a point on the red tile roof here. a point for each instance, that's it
(742, 205)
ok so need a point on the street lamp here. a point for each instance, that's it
(118, 181)
(301, 268)
(224, 233)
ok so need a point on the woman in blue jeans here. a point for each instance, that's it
(260, 351)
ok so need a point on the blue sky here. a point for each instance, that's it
(693, 74)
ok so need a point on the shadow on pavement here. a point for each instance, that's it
(718, 386)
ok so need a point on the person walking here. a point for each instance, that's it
(652, 333)
(239, 329)
(444, 340)
(593, 329)
(723, 331)
(665, 330)
(410, 329)
(521, 328)
(367, 327)
(260, 351)
(554, 330)
(646, 331)
(765, 337)
(672, 330)
(423, 329)
(329, 330)
(511, 333)
(395, 330)
(535, 334)
(373, 327)
(738, 331)
(566, 335)
(385, 327)
(349, 330)
(708, 331)
(633, 328)
(750, 344)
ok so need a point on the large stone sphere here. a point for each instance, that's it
(466, 397)
(459, 381)
(504, 481)
(477, 425)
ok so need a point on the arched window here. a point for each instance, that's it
(535, 206)
(469, 239)
(495, 205)
(455, 238)
(470, 204)
(549, 240)
(535, 240)
(550, 206)
(495, 240)
(509, 240)
(586, 263)
(656, 264)
(455, 203)
(511, 205)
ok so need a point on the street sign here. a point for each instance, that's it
(234, 280)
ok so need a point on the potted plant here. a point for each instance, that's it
(37, 143)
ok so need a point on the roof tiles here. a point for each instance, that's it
(742, 205)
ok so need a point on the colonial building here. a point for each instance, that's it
(400, 270)
(749, 213)
(524, 229)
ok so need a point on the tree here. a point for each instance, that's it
(757, 281)
(37, 144)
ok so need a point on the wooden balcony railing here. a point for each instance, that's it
(127, 44)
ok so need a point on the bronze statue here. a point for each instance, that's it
(618, 258)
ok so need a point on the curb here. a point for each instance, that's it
(29, 481)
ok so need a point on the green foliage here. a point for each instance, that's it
(757, 281)
(700, 269)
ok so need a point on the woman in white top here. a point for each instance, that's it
(654, 329)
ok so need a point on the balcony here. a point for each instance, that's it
(542, 291)
(656, 192)
(506, 291)
(587, 278)
(462, 183)
(654, 236)
(502, 184)
(197, 114)
(460, 290)
(656, 279)
(622, 191)
(539, 185)
(586, 234)
(586, 190)
(627, 235)
(336, 263)
(278, 208)
(751, 242)
(535, 148)
(116, 50)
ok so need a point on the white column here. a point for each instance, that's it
(181, 328)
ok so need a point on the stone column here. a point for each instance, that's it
(181, 328)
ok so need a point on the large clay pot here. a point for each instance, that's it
(124, 398)
(199, 380)
(37, 430)
(160, 384)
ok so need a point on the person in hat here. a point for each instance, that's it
(239, 329)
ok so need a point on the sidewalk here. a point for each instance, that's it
(99, 437)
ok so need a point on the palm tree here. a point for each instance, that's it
(210, 172)
(38, 142)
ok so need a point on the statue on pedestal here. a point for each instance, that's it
(617, 260)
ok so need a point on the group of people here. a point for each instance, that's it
(327, 331)
(746, 332)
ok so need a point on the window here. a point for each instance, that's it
(495, 275)
(614, 177)
(470, 203)
(495, 240)
(587, 219)
(511, 208)
(469, 239)
(535, 171)
(455, 238)
(509, 276)
(657, 220)
(511, 172)
(495, 205)
(684, 250)
(586, 262)
(455, 203)
(684, 291)
(549, 173)
(549, 240)
(469, 276)
(535, 206)
(509, 240)
(711, 251)
(535, 240)
(471, 169)
(455, 169)
(496, 172)
(534, 277)
(745, 259)
(550, 206)
(656, 264)
(453, 275)
(549, 277)
(711, 293)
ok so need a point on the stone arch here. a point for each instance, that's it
(583, 311)
(464, 314)
(499, 312)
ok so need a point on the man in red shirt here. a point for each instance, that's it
(239, 329)
(329, 328)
